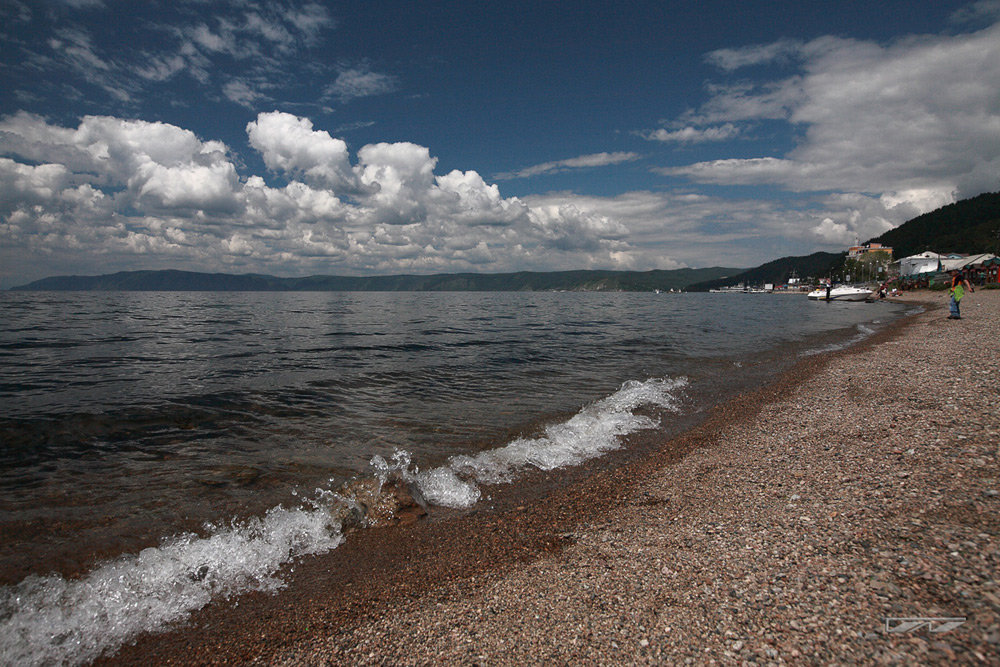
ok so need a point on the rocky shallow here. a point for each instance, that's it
(786, 528)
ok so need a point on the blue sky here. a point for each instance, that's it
(394, 137)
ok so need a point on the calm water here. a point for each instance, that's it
(216, 426)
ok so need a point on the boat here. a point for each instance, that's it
(840, 293)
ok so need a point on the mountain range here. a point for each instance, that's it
(591, 281)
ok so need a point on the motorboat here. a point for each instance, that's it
(840, 293)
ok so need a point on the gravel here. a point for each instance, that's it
(868, 491)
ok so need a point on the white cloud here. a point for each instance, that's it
(30, 184)
(672, 229)
(581, 162)
(920, 115)
(137, 193)
(466, 197)
(693, 135)
(353, 83)
(834, 232)
(241, 93)
(983, 10)
(262, 39)
(760, 54)
(310, 20)
(272, 30)
(289, 144)
(210, 41)
(747, 101)
(206, 188)
(77, 47)
(161, 68)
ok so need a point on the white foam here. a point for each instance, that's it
(442, 486)
(592, 432)
(863, 333)
(52, 620)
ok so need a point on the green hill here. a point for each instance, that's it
(969, 226)
(777, 271)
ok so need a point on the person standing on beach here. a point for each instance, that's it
(957, 291)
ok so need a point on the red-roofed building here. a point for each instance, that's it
(858, 250)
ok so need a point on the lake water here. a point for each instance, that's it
(159, 450)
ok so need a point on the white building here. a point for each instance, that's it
(925, 262)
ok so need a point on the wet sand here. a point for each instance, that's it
(785, 528)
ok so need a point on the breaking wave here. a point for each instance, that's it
(54, 620)
(592, 432)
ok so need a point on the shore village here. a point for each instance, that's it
(926, 269)
(872, 265)
(929, 268)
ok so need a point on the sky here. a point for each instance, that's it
(381, 137)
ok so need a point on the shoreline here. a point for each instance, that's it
(615, 566)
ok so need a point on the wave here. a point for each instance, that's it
(863, 332)
(53, 620)
(592, 432)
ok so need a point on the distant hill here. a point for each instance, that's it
(777, 271)
(969, 226)
(181, 281)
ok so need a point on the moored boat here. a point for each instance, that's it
(840, 293)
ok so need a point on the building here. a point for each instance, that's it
(925, 262)
(991, 271)
(964, 262)
(857, 251)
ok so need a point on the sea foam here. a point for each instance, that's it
(53, 620)
(597, 429)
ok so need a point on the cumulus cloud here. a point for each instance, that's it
(916, 116)
(207, 188)
(157, 192)
(672, 229)
(30, 184)
(289, 144)
(581, 162)
(140, 194)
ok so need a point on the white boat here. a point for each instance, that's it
(840, 293)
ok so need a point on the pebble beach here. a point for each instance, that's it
(794, 525)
